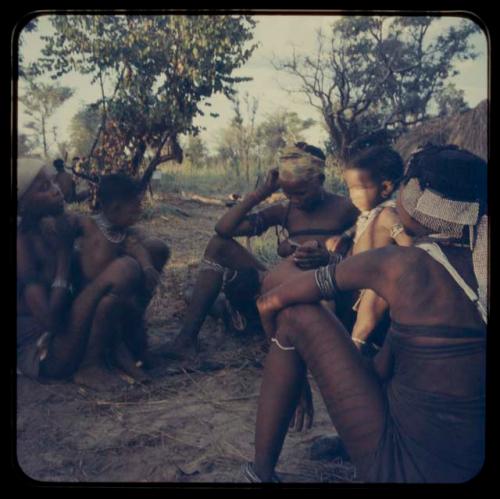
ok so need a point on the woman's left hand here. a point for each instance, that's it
(311, 256)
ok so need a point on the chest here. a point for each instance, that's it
(324, 218)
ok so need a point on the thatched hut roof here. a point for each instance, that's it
(468, 130)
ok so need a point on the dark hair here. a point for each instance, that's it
(117, 187)
(455, 173)
(58, 164)
(313, 150)
(382, 162)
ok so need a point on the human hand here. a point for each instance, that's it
(270, 185)
(304, 412)
(268, 310)
(311, 255)
(338, 244)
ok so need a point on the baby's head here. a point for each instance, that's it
(120, 199)
(372, 175)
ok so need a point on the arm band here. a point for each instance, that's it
(326, 282)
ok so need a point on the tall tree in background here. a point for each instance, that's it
(373, 73)
(279, 129)
(195, 152)
(237, 143)
(83, 129)
(41, 101)
(154, 73)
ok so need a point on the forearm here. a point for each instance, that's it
(230, 222)
(299, 289)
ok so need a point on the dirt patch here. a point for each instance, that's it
(188, 425)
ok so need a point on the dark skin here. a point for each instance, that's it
(290, 313)
(44, 254)
(311, 207)
(123, 315)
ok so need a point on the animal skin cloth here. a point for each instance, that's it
(431, 435)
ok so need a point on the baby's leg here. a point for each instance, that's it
(371, 310)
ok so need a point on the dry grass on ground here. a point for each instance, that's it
(188, 425)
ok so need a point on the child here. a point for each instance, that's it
(372, 176)
(107, 236)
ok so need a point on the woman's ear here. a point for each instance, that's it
(387, 188)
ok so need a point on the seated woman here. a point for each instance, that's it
(311, 217)
(57, 332)
(416, 412)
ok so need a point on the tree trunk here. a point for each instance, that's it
(44, 138)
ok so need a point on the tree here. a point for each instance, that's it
(24, 146)
(160, 69)
(374, 72)
(83, 129)
(41, 101)
(279, 129)
(451, 101)
(196, 152)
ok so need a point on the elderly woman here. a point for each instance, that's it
(417, 413)
(311, 217)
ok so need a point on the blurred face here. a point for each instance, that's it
(412, 227)
(364, 192)
(124, 213)
(44, 197)
(303, 194)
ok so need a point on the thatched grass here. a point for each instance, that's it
(468, 130)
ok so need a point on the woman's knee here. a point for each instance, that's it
(216, 247)
(124, 274)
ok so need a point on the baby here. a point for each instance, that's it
(372, 176)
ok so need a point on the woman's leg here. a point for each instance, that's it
(225, 253)
(67, 350)
(351, 390)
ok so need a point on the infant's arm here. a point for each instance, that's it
(390, 220)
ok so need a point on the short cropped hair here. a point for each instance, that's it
(313, 150)
(117, 187)
(382, 162)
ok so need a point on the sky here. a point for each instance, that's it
(277, 35)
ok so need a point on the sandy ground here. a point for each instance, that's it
(188, 425)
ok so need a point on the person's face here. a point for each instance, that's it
(412, 227)
(44, 197)
(124, 213)
(303, 194)
(365, 193)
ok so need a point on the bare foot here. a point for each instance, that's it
(124, 361)
(97, 378)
